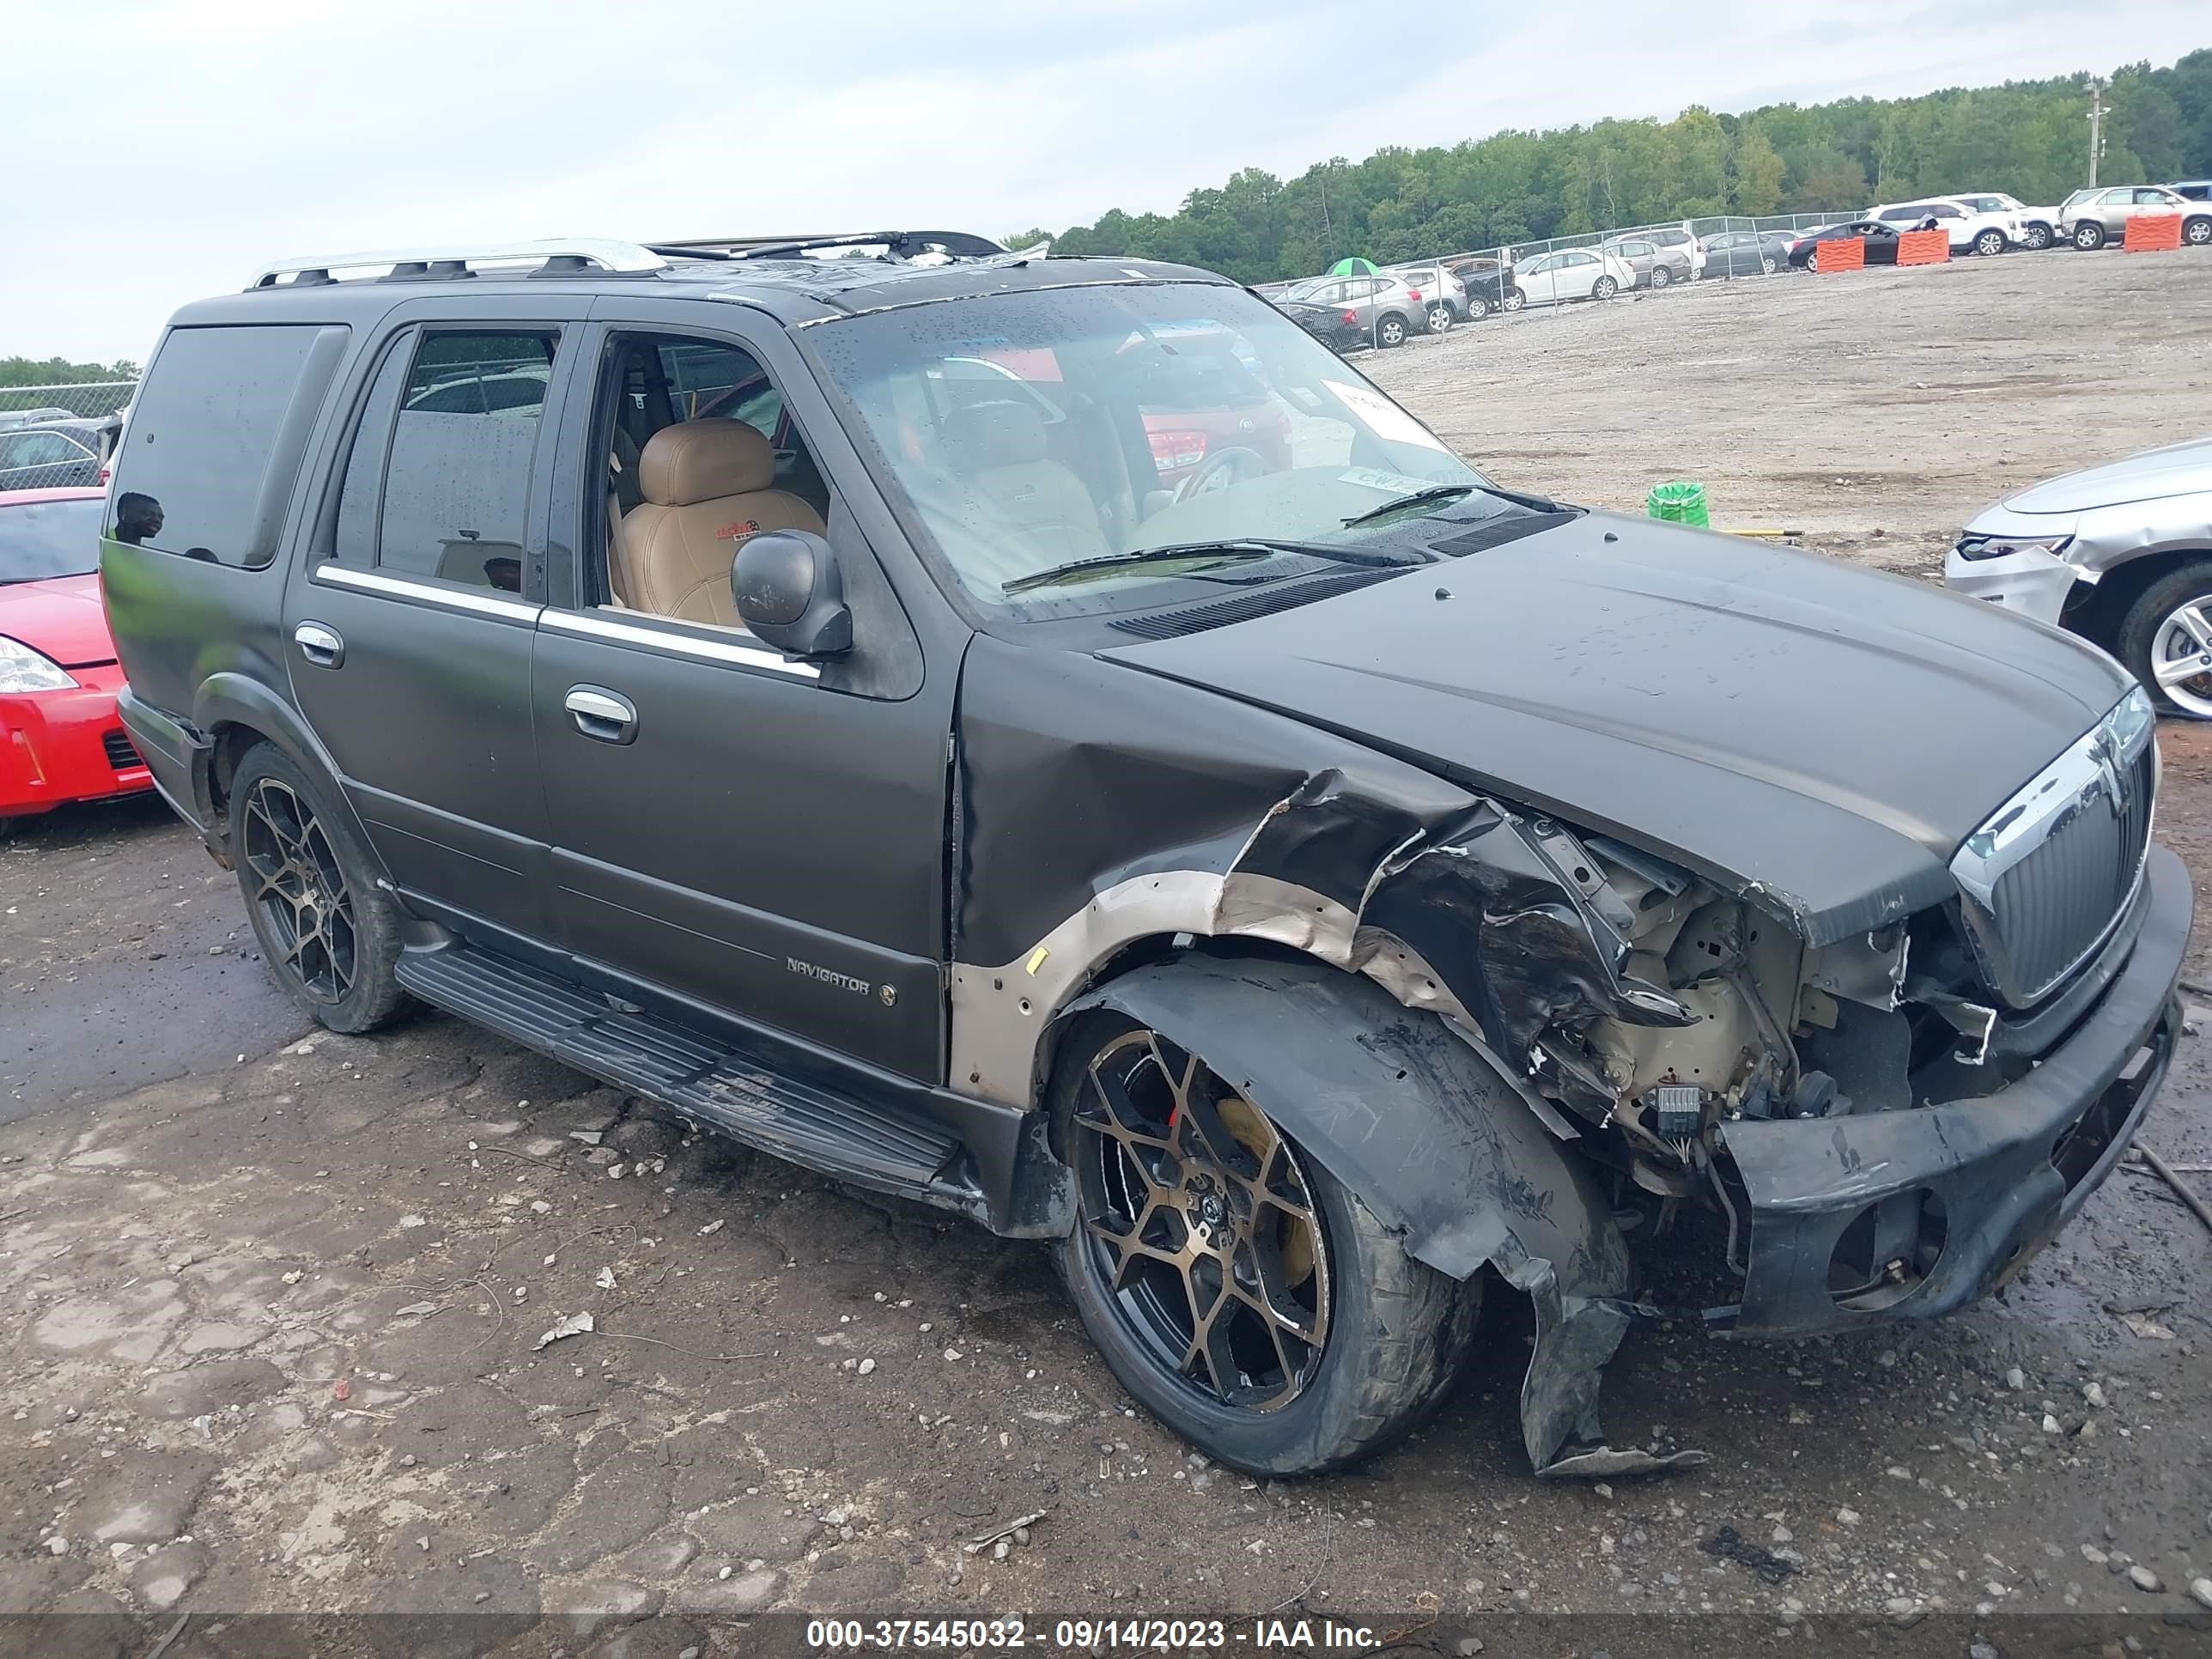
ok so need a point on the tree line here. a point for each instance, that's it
(59, 371)
(2029, 138)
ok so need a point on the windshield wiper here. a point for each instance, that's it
(1452, 492)
(1240, 550)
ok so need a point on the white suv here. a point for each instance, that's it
(2038, 225)
(1972, 230)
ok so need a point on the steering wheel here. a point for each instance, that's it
(1246, 463)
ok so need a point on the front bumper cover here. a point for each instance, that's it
(2008, 1169)
(2032, 582)
(54, 745)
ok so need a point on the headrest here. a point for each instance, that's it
(700, 461)
(1001, 432)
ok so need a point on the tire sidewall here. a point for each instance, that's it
(1311, 1433)
(2088, 238)
(376, 939)
(1385, 331)
(1990, 243)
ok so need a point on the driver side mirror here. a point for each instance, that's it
(789, 593)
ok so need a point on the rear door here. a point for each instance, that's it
(409, 628)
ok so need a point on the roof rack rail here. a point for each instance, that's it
(901, 245)
(555, 256)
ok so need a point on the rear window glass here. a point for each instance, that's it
(191, 476)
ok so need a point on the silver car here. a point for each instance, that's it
(2102, 216)
(1655, 266)
(2121, 554)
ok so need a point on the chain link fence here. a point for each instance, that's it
(59, 437)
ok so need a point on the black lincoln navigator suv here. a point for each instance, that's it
(1046, 739)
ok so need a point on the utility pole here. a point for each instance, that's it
(2096, 127)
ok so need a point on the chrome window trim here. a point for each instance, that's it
(430, 593)
(590, 626)
(2097, 764)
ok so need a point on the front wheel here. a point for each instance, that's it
(1440, 318)
(1604, 288)
(2088, 236)
(1390, 331)
(328, 932)
(2166, 640)
(1990, 243)
(1239, 1292)
(2035, 238)
(2197, 232)
(1477, 307)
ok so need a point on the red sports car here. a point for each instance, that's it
(60, 740)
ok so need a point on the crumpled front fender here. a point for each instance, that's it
(1432, 1138)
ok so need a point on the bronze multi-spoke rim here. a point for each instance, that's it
(1202, 1225)
(299, 888)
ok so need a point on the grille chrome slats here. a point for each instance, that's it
(2041, 882)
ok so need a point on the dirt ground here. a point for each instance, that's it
(274, 1303)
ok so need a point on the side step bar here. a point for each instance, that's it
(708, 1081)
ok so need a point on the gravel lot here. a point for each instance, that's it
(273, 1307)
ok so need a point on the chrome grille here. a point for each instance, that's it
(2041, 882)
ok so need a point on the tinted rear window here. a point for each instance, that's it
(39, 539)
(205, 435)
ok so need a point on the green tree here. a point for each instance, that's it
(59, 371)
(1756, 169)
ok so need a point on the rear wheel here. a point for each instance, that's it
(2166, 640)
(1440, 318)
(328, 932)
(1604, 288)
(1990, 243)
(1391, 331)
(1515, 299)
(1661, 276)
(1477, 307)
(2035, 238)
(2088, 235)
(1766, 265)
(1236, 1289)
(2197, 232)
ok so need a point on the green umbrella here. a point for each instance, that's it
(1354, 267)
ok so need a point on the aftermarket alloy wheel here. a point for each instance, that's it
(1390, 331)
(1242, 1294)
(1990, 242)
(2088, 235)
(2166, 640)
(327, 932)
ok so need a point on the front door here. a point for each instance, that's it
(409, 629)
(763, 840)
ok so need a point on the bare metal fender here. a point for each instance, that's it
(1437, 1144)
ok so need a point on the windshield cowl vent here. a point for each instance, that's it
(1220, 613)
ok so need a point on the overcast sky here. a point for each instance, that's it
(185, 142)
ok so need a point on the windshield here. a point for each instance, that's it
(1034, 431)
(40, 539)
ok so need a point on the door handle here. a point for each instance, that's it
(601, 714)
(320, 645)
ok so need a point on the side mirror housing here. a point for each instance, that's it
(789, 593)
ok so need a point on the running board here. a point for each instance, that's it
(710, 1082)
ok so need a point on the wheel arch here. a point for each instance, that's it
(237, 712)
(1430, 1133)
(2104, 605)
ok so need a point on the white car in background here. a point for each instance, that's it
(1572, 273)
(2038, 225)
(1972, 230)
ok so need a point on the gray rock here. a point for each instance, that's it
(2202, 1589)
(660, 1558)
(161, 1579)
(746, 1593)
(2094, 1556)
(2145, 1580)
(1981, 1650)
(600, 1604)
(2016, 1380)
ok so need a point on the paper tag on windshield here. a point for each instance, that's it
(1385, 417)
(1390, 483)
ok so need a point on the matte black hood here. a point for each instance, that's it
(1785, 722)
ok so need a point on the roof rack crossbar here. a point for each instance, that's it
(575, 252)
(902, 244)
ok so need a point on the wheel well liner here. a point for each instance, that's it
(1431, 1137)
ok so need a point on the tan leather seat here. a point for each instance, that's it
(708, 488)
(998, 450)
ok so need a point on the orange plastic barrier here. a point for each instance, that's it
(2153, 232)
(1924, 247)
(1845, 253)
